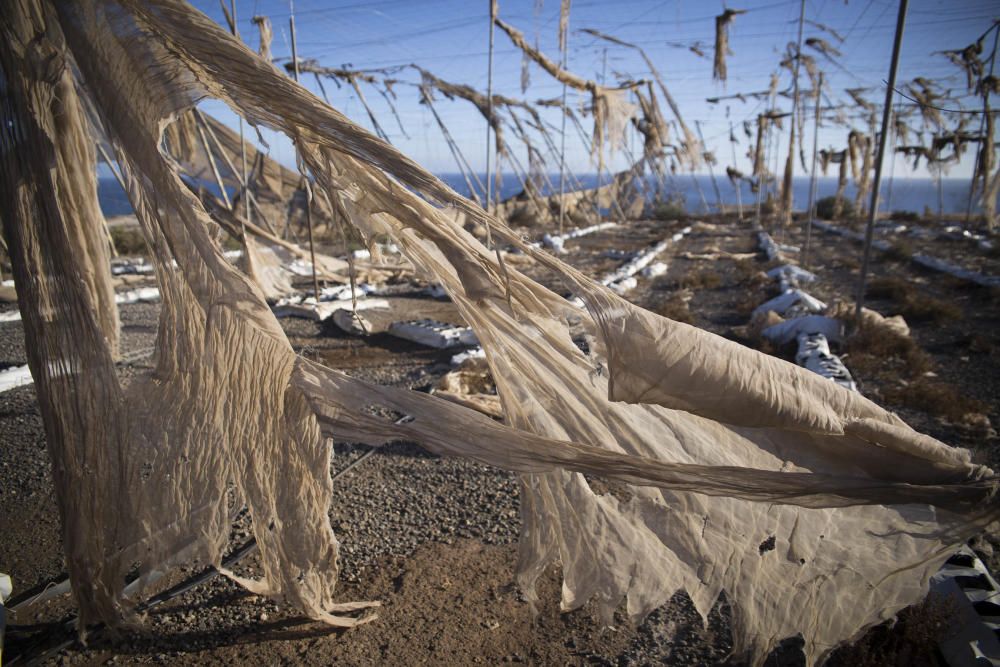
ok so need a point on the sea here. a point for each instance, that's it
(912, 194)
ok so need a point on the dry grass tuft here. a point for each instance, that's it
(703, 279)
(901, 251)
(676, 309)
(913, 305)
(936, 398)
(748, 274)
(876, 352)
(129, 241)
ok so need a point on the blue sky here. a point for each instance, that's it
(450, 38)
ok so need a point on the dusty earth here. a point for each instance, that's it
(435, 540)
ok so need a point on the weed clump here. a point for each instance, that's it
(913, 305)
(826, 208)
(128, 240)
(936, 398)
(671, 209)
(704, 279)
(874, 351)
(900, 251)
(675, 308)
(906, 216)
(748, 274)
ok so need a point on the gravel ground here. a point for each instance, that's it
(433, 539)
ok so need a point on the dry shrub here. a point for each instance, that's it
(748, 274)
(704, 279)
(912, 641)
(874, 351)
(676, 309)
(923, 308)
(979, 344)
(748, 300)
(129, 241)
(848, 262)
(889, 288)
(901, 251)
(933, 397)
(913, 305)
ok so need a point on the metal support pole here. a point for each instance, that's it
(562, 140)
(305, 181)
(247, 209)
(811, 213)
(787, 194)
(738, 185)
(600, 149)
(489, 114)
(711, 171)
(886, 113)
(121, 182)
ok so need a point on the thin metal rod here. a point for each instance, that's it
(892, 159)
(711, 170)
(214, 166)
(763, 126)
(232, 168)
(811, 214)
(787, 192)
(600, 149)
(247, 208)
(305, 181)
(121, 182)
(562, 135)
(983, 147)
(489, 113)
(738, 184)
(886, 112)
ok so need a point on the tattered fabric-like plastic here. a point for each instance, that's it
(813, 509)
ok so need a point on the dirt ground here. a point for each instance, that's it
(434, 540)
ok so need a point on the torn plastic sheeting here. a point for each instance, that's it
(814, 355)
(334, 293)
(642, 259)
(6, 587)
(14, 377)
(974, 597)
(433, 333)
(131, 267)
(771, 249)
(715, 434)
(954, 270)
(472, 353)
(791, 299)
(140, 295)
(324, 309)
(789, 330)
(655, 269)
(557, 242)
(793, 272)
(351, 322)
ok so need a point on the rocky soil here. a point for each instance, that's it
(435, 539)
